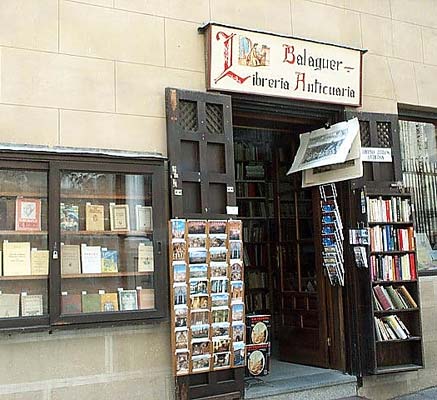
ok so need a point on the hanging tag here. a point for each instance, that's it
(55, 255)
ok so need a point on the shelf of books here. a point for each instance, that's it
(207, 296)
(106, 250)
(24, 255)
(397, 334)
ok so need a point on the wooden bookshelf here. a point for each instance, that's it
(24, 278)
(23, 233)
(106, 275)
(106, 233)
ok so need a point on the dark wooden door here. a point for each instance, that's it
(303, 325)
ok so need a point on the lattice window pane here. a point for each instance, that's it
(214, 118)
(188, 115)
(365, 133)
(383, 131)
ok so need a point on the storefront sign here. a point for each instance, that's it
(273, 65)
(376, 154)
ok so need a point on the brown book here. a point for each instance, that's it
(70, 259)
(407, 296)
(95, 217)
(385, 303)
(109, 302)
(71, 303)
(146, 298)
(39, 262)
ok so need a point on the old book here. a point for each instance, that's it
(31, 305)
(144, 218)
(145, 258)
(91, 259)
(69, 217)
(91, 302)
(146, 298)
(70, 259)
(16, 258)
(39, 262)
(109, 302)
(119, 217)
(71, 303)
(28, 214)
(9, 305)
(95, 217)
(128, 300)
(109, 260)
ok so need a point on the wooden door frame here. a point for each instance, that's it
(331, 305)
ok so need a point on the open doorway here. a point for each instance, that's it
(281, 232)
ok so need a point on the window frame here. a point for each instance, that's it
(54, 164)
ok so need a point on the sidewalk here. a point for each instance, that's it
(426, 394)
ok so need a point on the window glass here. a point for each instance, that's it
(419, 171)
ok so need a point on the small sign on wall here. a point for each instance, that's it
(376, 154)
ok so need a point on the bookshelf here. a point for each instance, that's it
(394, 320)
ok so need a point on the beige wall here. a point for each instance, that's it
(92, 73)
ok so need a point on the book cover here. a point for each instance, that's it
(95, 217)
(71, 303)
(109, 302)
(91, 259)
(39, 262)
(31, 305)
(70, 259)
(144, 218)
(28, 214)
(146, 298)
(109, 260)
(91, 302)
(16, 258)
(69, 217)
(119, 217)
(128, 300)
(9, 305)
(145, 258)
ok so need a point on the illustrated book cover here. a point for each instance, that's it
(91, 302)
(91, 259)
(144, 218)
(28, 214)
(109, 302)
(16, 258)
(145, 258)
(71, 303)
(119, 217)
(128, 300)
(69, 217)
(95, 217)
(70, 259)
(109, 260)
(31, 305)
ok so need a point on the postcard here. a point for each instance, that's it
(197, 255)
(200, 347)
(239, 354)
(197, 241)
(219, 300)
(178, 229)
(236, 271)
(198, 271)
(219, 269)
(238, 330)
(199, 317)
(217, 240)
(218, 254)
(181, 314)
(198, 287)
(181, 339)
(182, 363)
(217, 227)
(219, 285)
(237, 291)
(179, 250)
(196, 227)
(199, 331)
(221, 344)
(180, 294)
(237, 311)
(221, 315)
(199, 302)
(201, 363)
(235, 247)
(221, 329)
(221, 360)
(234, 230)
(179, 271)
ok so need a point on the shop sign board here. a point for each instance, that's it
(376, 154)
(266, 64)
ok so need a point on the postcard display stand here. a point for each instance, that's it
(332, 235)
(207, 295)
(395, 337)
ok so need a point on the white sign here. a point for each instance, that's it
(325, 146)
(376, 154)
(273, 65)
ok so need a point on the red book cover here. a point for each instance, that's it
(71, 303)
(28, 214)
(387, 211)
(413, 273)
(381, 298)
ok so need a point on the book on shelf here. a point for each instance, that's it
(91, 259)
(31, 305)
(393, 267)
(109, 260)
(69, 217)
(392, 298)
(71, 303)
(390, 327)
(256, 279)
(128, 300)
(146, 298)
(91, 302)
(94, 217)
(70, 259)
(39, 262)
(389, 238)
(145, 257)
(402, 290)
(144, 218)
(119, 217)
(27, 214)
(16, 258)
(109, 302)
(9, 305)
(395, 209)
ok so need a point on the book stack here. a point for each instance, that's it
(391, 328)
(390, 298)
(394, 209)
